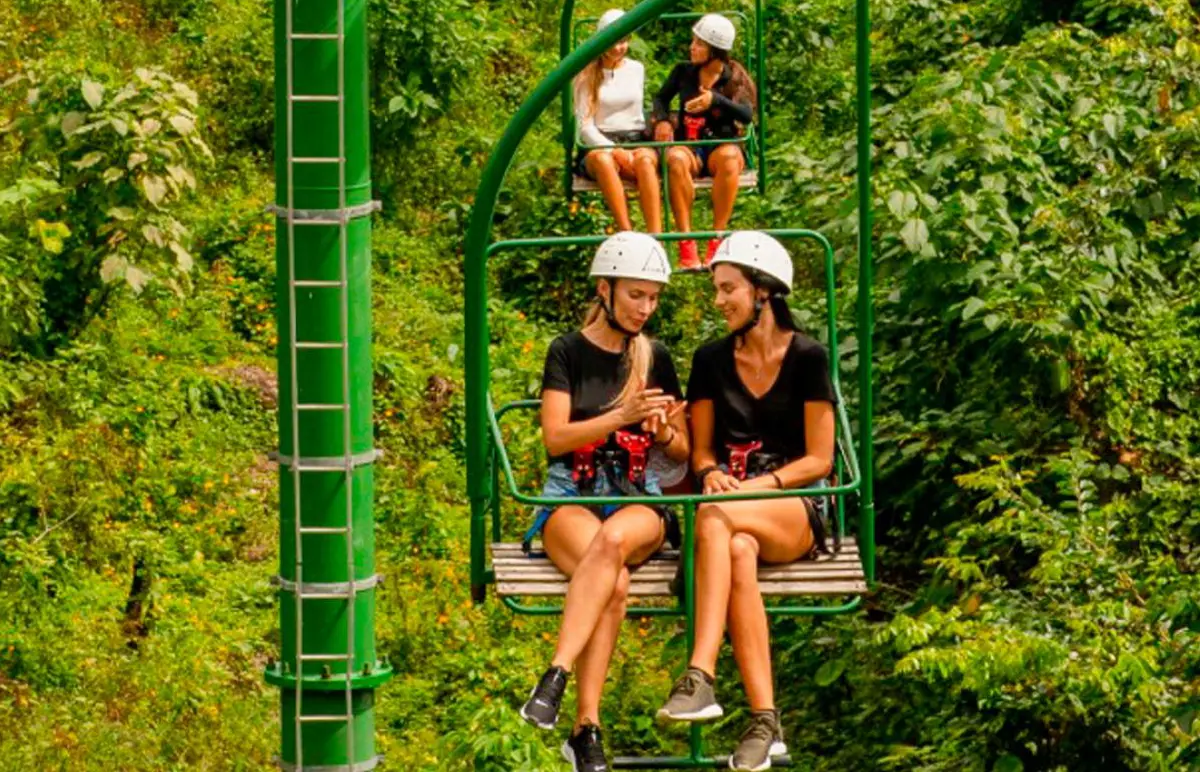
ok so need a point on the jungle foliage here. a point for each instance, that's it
(1037, 238)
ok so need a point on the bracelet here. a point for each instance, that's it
(778, 482)
(705, 472)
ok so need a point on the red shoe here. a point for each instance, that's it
(689, 256)
(712, 251)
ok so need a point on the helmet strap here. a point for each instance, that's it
(610, 315)
(741, 332)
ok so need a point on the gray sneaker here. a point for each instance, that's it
(691, 699)
(761, 740)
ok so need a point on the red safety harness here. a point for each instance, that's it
(631, 454)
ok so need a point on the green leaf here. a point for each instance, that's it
(972, 307)
(155, 188)
(829, 672)
(119, 126)
(113, 268)
(182, 124)
(93, 93)
(1110, 124)
(71, 122)
(88, 161)
(136, 278)
(915, 234)
(183, 259)
(1008, 763)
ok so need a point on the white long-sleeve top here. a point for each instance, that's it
(618, 104)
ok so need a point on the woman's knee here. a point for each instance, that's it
(679, 160)
(711, 523)
(645, 162)
(743, 554)
(601, 160)
(726, 161)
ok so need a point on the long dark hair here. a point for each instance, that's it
(740, 87)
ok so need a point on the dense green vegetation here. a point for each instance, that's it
(1038, 395)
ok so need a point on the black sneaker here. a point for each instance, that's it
(541, 709)
(585, 750)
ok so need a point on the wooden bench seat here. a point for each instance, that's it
(748, 179)
(518, 574)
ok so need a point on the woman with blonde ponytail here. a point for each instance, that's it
(610, 396)
(609, 96)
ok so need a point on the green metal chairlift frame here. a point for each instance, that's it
(754, 139)
(487, 458)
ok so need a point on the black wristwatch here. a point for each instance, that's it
(705, 472)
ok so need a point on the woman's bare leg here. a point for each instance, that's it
(682, 168)
(779, 526)
(629, 536)
(645, 166)
(748, 624)
(591, 669)
(725, 164)
(603, 168)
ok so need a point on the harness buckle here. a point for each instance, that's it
(739, 457)
(636, 446)
(583, 469)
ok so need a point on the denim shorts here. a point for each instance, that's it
(560, 483)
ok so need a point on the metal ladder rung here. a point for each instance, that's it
(324, 596)
(304, 159)
(324, 657)
(317, 407)
(315, 98)
(315, 344)
(314, 468)
(315, 36)
(323, 719)
(329, 283)
(319, 529)
(314, 221)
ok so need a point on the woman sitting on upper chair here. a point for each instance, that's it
(762, 419)
(717, 98)
(609, 396)
(609, 93)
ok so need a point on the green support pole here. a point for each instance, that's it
(328, 669)
(866, 305)
(760, 64)
(568, 115)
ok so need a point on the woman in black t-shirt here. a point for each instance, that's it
(762, 419)
(609, 395)
(717, 98)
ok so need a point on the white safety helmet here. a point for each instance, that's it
(631, 255)
(755, 249)
(608, 18)
(716, 30)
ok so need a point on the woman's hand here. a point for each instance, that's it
(642, 405)
(664, 131)
(699, 103)
(658, 421)
(718, 481)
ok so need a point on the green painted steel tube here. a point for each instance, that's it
(760, 26)
(479, 232)
(328, 668)
(685, 762)
(568, 111)
(866, 288)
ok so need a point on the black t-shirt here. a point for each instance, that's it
(777, 418)
(594, 377)
(722, 120)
